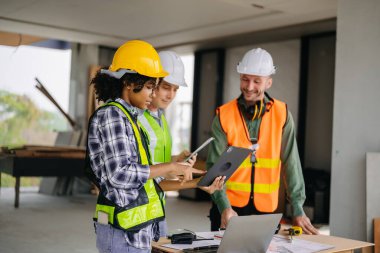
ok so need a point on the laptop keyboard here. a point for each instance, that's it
(212, 249)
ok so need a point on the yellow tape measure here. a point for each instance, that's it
(294, 230)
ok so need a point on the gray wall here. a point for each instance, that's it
(286, 56)
(207, 92)
(319, 109)
(356, 120)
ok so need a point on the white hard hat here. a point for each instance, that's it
(256, 62)
(173, 64)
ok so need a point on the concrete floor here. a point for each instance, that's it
(61, 224)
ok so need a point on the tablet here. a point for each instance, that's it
(226, 165)
(204, 144)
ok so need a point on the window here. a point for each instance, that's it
(179, 113)
(26, 115)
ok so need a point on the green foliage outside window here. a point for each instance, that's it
(17, 114)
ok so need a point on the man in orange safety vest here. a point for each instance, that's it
(257, 121)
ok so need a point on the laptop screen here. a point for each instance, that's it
(251, 233)
(244, 234)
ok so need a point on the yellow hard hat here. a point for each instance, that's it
(136, 56)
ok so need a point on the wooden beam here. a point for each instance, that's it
(17, 39)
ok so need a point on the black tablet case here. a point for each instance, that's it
(226, 165)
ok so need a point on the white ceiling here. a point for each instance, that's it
(163, 23)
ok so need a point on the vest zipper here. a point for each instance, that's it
(252, 181)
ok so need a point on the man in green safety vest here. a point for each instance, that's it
(156, 126)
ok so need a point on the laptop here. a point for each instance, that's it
(251, 233)
(246, 234)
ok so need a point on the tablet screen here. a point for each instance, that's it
(204, 144)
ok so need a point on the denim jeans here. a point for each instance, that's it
(111, 240)
(163, 228)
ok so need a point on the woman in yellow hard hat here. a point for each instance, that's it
(130, 203)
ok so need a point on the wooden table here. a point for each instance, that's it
(41, 162)
(341, 244)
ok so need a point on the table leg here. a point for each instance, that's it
(17, 192)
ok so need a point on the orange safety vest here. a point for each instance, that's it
(267, 168)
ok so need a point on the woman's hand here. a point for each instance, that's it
(217, 185)
(183, 171)
(183, 156)
(192, 160)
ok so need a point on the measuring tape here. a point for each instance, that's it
(294, 230)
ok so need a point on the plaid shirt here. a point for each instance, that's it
(114, 159)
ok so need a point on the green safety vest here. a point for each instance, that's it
(160, 142)
(147, 208)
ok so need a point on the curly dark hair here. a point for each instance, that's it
(108, 87)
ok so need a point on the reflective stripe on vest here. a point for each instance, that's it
(160, 142)
(147, 208)
(260, 188)
(268, 165)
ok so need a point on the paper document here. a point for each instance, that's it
(208, 235)
(282, 244)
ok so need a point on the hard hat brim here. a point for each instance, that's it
(121, 72)
(172, 81)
